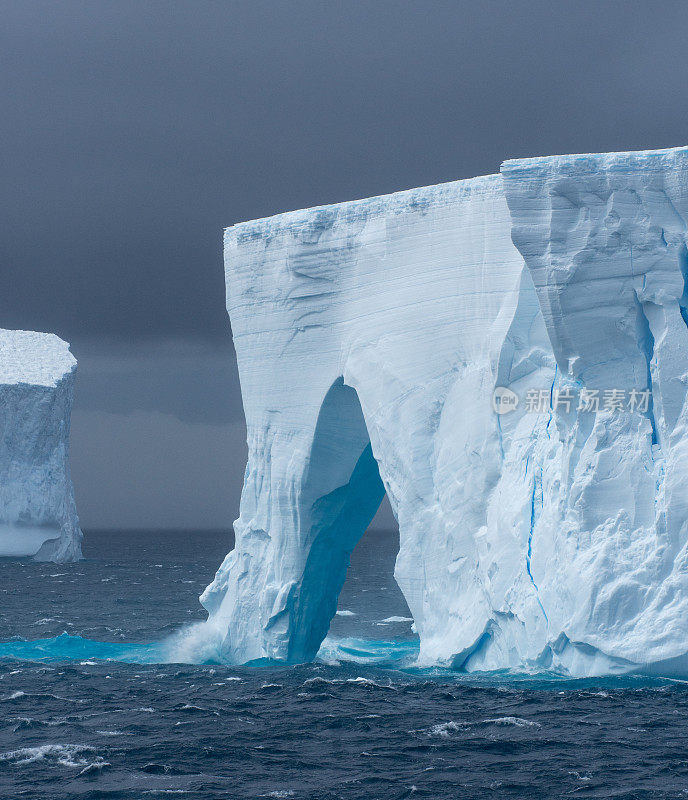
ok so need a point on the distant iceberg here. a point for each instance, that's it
(507, 358)
(37, 509)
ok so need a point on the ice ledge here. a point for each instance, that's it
(35, 359)
(580, 163)
(307, 219)
(442, 193)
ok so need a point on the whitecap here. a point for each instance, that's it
(96, 766)
(444, 729)
(66, 755)
(519, 722)
(318, 681)
(14, 696)
(367, 682)
(580, 777)
(198, 643)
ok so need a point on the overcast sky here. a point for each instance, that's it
(134, 131)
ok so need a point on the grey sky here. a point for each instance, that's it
(133, 132)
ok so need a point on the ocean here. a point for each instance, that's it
(92, 707)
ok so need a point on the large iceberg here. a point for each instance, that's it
(523, 407)
(37, 509)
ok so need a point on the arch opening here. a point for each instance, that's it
(342, 491)
(372, 613)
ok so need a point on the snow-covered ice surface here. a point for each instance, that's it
(371, 336)
(37, 509)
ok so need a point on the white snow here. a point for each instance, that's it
(371, 337)
(37, 359)
(37, 510)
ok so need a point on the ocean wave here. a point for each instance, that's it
(14, 696)
(322, 682)
(369, 652)
(360, 681)
(66, 755)
(445, 729)
(519, 722)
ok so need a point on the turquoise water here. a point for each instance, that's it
(73, 648)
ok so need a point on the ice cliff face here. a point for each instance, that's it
(37, 510)
(604, 238)
(371, 337)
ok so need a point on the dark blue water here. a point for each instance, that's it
(87, 710)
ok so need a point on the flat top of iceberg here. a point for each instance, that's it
(593, 162)
(38, 359)
(323, 217)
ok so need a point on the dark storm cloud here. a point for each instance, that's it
(132, 132)
(193, 379)
(150, 470)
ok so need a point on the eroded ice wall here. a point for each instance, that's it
(37, 510)
(370, 336)
(604, 237)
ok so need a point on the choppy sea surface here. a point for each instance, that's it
(92, 704)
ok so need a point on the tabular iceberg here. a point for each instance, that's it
(375, 340)
(37, 509)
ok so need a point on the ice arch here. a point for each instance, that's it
(298, 527)
(410, 305)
